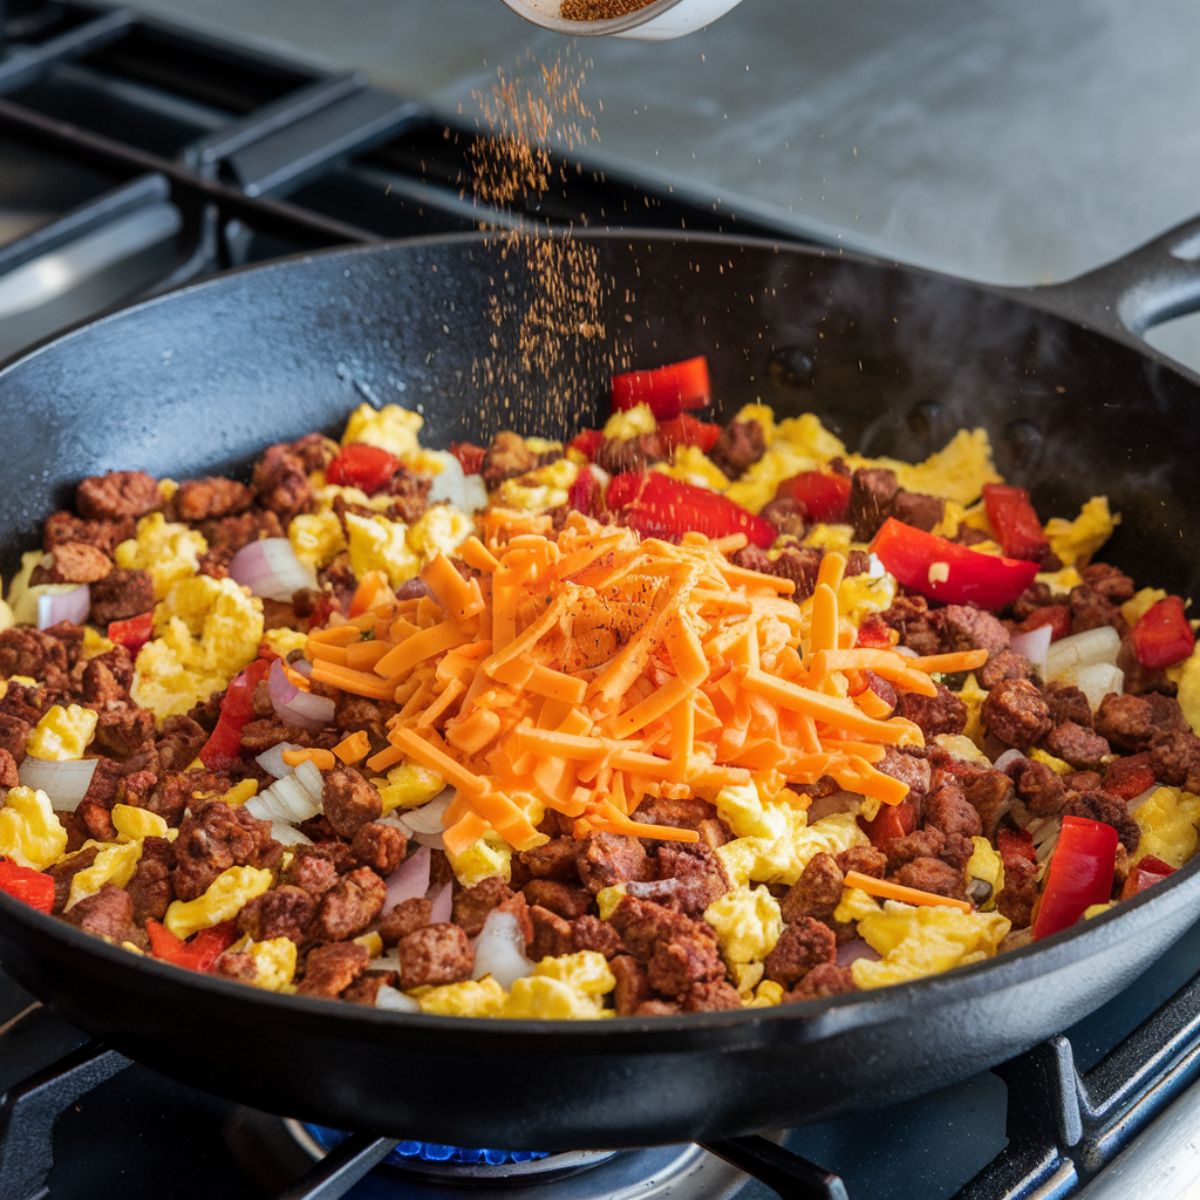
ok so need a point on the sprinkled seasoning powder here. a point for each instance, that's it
(599, 10)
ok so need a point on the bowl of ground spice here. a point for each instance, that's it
(646, 20)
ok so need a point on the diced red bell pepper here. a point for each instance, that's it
(132, 633)
(893, 821)
(825, 495)
(1057, 616)
(668, 390)
(237, 707)
(1128, 777)
(1146, 874)
(584, 494)
(873, 633)
(1162, 636)
(684, 430)
(947, 571)
(1080, 874)
(1013, 844)
(1014, 521)
(658, 506)
(198, 953)
(470, 456)
(27, 885)
(362, 466)
(587, 443)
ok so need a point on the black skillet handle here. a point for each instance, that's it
(1157, 282)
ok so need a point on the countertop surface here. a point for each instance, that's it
(1007, 140)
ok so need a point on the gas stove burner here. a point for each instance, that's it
(457, 1164)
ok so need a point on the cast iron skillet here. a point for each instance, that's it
(895, 360)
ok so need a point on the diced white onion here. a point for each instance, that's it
(443, 905)
(272, 762)
(1007, 759)
(410, 880)
(311, 780)
(393, 1000)
(448, 485)
(500, 950)
(270, 568)
(286, 800)
(1095, 681)
(387, 962)
(1034, 646)
(475, 497)
(1082, 650)
(1141, 798)
(1045, 836)
(907, 651)
(428, 817)
(287, 836)
(854, 950)
(66, 783)
(53, 607)
(839, 802)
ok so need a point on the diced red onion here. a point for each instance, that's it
(270, 568)
(1008, 759)
(443, 905)
(854, 950)
(410, 880)
(839, 802)
(500, 950)
(428, 817)
(301, 709)
(287, 836)
(302, 667)
(272, 762)
(393, 1000)
(1033, 645)
(907, 651)
(71, 606)
(66, 783)
(434, 841)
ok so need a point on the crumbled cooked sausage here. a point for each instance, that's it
(932, 875)
(215, 838)
(26, 651)
(365, 989)
(552, 934)
(97, 820)
(872, 490)
(1041, 789)
(825, 979)
(65, 870)
(313, 869)
(568, 902)
(411, 495)
(633, 988)
(1016, 713)
(107, 913)
(617, 455)
(380, 847)
(434, 955)
(740, 445)
(330, 970)
(1068, 703)
(917, 509)
(1083, 781)
(472, 905)
(866, 860)
(787, 515)
(804, 943)
(179, 741)
(1131, 723)
(1005, 665)
(816, 893)
(588, 932)
(1019, 894)
(949, 810)
(117, 494)
(918, 627)
(713, 995)
(212, 496)
(908, 768)
(122, 731)
(285, 911)
(943, 713)
(101, 687)
(350, 905)
(150, 887)
(507, 457)
(14, 733)
(75, 562)
(685, 959)
(1114, 585)
(62, 527)
(121, 594)
(1112, 810)
(1077, 745)
(9, 775)
(227, 535)
(800, 564)
(281, 482)
(1175, 757)
(1090, 609)
(555, 859)
(695, 871)
(350, 801)
(407, 917)
(610, 858)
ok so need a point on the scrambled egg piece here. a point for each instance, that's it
(22, 605)
(114, 864)
(208, 630)
(691, 465)
(1049, 760)
(378, 544)
(767, 995)
(227, 895)
(274, 963)
(93, 642)
(63, 733)
(1059, 582)
(758, 483)
(915, 942)
(30, 834)
(7, 621)
(962, 747)
(973, 696)
(409, 786)
(629, 424)
(570, 987)
(986, 865)
(239, 793)
(1167, 819)
(746, 977)
(763, 414)
(608, 898)
(316, 538)
(1076, 541)
(1140, 603)
(488, 856)
(394, 429)
(956, 472)
(372, 941)
(830, 537)
(539, 490)
(442, 529)
(1187, 677)
(861, 595)
(748, 924)
(132, 824)
(806, 434)
(775, 842)
(167, 551)
(284, 641)
(471, 998)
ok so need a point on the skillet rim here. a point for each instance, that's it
(829, 1015)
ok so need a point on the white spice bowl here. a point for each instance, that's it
(657, 22)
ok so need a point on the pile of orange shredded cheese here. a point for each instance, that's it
(583, 671)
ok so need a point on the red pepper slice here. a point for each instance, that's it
(27, 885)
(1128, 777)
(1015, 843)
(873, 633)
(470, 456)
(587, 443)
(893, 821)
(197, 954)
(1057, 616)
(237, 707)
(1162, 636)
(1080, 874)
(1146, 874)
(668, 390)
(685, 430)
(1014, 521)
(132, 633)
(658, 506)
(913, 556)
(362, 466)
(825, 496)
